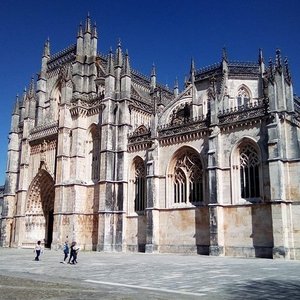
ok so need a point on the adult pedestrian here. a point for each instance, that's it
(73, 253)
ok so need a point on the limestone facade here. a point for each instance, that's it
(118, 162)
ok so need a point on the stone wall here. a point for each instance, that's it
(184, 230)
(248, 230)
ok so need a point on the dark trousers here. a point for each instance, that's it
(73, 257)
(38, 252)
(66, 255)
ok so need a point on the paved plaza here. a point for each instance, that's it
(145, 276)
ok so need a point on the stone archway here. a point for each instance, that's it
(39, 215)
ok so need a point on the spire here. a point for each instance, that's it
(260, 56)
(224, 54)
(17, 106)
(80, 31)
(110, 63)
(46, 52)
(94, 31)
(186, 82)
(176, 90)
(287, 70)
(261, 61)
(192, 71)
(271, 67)
(24, 95)
(88, 24)
(119, 55)
(278, 63)
(153, 70)
(126, 68)
(31, 91)
(153, 77)
(176, 83)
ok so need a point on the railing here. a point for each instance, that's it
(43, 131)
(297, 105)
(61, 57)
(243, 112)
(183, 126)
(137, 137)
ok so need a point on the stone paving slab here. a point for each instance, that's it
(145, 276)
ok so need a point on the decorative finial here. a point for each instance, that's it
(176, 83)
(31, 87)
(110, 63)
(80, 31)
(287, 69)
(153, 70)
(126, 68)
(278, 59)
(17, 106)
(94, 31)
(46, 52)
(271, 66)
(260, 56)
(88, 24)
(224, 54)
(119, 55)
(192, 69)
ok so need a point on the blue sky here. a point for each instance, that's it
(167, 33)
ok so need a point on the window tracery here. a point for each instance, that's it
(243, 96)
(249, 172)
(188, 178)
(140, 186)
(246, 172)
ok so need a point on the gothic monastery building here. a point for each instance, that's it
(106, 156)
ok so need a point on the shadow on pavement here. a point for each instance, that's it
(266, 289)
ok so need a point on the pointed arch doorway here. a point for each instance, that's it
(39, 216)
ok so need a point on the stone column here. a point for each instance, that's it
(214, 194)
(152, 212)
(281, 230)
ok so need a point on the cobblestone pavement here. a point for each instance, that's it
(145, 276)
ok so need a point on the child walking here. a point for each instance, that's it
(66, 250)
(38, 250)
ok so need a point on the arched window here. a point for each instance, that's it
(249, 172)
(93, 154)
(140, 186)
(243, 96)
(188, 179)
(52, 107)
(246, 172)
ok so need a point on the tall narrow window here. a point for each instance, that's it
(93, 154)
(180, 186)
(140, 186)
(243, 97)
(249, 172)
(188, 180)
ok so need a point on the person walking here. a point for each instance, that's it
(38, 250)
(73, 254)
(66, 250)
